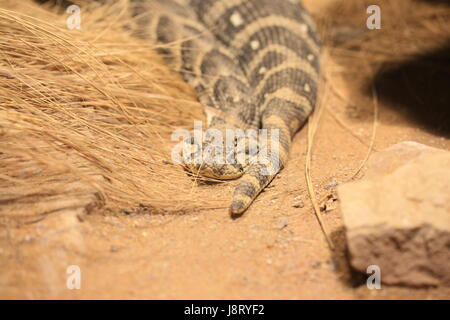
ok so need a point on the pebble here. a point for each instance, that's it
(333, 264)
(29, 238)
(332, 184)
(282, 223)
(298, 204)
(315, 264)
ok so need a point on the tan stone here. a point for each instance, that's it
(398, 217)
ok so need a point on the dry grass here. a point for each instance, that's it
(86, 116)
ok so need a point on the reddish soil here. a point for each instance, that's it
(275, 251)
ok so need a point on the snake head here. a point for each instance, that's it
(218, 153)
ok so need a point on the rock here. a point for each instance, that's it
(333, 264)
(282, 223)
(298, 203)
(332, 184)
(329, 204)
(388, 160)
(29, 238)
(315, 264)
(398, 217)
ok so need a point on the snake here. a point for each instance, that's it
(255, 65)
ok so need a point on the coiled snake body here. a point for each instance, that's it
(253, 63)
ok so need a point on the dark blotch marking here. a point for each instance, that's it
(246, 188)
(277, 35)
(290, 78)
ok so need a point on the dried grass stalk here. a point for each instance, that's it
(86, 116)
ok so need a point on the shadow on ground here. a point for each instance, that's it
(348, 276)
(420, 89)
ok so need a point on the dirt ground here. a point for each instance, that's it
(276, 250)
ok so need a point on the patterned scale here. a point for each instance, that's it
(254, 63)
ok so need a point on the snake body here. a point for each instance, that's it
(253, 63)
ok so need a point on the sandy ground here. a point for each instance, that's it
(275, 251)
